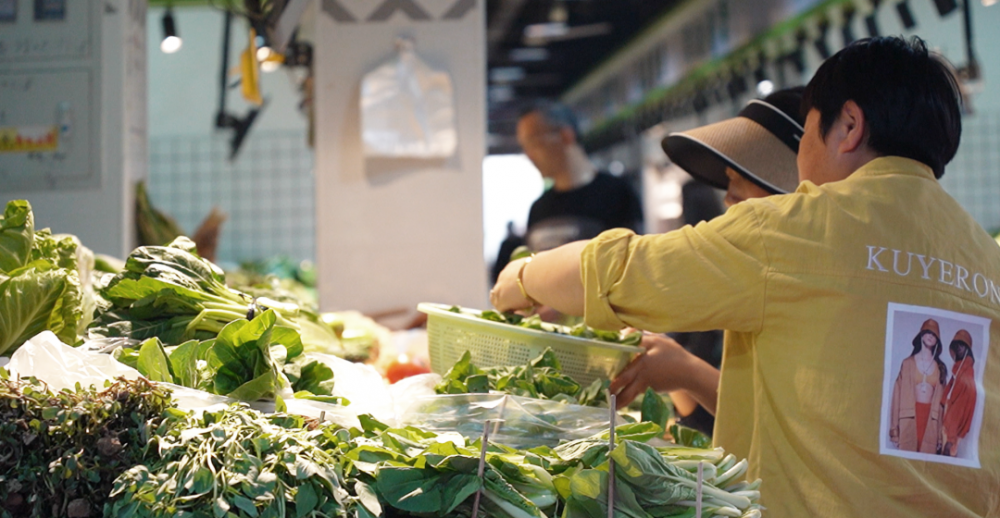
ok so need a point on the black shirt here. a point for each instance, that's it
(560, 217)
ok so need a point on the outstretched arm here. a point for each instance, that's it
(551, 278)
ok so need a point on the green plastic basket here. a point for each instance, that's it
(494, 344)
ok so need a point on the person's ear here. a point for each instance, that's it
(853, 127)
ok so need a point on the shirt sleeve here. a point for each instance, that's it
(711, 276)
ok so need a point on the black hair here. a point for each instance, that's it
(961, 350)
(918, 344)
(556, 114)
(789, 101)
(910, 98)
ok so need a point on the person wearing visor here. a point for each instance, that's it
(818, 291)
(749, 156)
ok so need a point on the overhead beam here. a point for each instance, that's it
(500, 25)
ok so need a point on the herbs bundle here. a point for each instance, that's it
(237, 463)
(41, 284)
(61, 452)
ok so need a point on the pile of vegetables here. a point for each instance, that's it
(60, 453)
(541, 378)
(240, 463)
(44, 281)
(535, 322)
(249, 360)
(170, 293)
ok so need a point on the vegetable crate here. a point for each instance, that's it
(495, 344)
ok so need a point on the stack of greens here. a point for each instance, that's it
(249, 360)
(170, 293)
(541, 378)
(580, 330)
(61, 452)
(239, 463)
(41, 286)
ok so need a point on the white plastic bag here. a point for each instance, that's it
(62, 367)
(407, 109)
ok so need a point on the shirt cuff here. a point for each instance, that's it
(602, 264)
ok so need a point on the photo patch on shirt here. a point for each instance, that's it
(932, 392)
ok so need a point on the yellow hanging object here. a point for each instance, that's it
(250, 72)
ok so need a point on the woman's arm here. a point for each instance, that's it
(552, 279)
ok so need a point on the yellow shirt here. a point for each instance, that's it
(822, 293)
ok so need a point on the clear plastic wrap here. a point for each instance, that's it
(523, 422)
(407, 109)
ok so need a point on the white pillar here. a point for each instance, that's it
(391, 234)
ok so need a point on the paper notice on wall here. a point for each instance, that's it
(28, 139)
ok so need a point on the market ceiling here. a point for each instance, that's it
(541, 48)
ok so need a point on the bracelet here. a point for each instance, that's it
(520, 281)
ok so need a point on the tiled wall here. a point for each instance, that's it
(973, 177)
(267, 192)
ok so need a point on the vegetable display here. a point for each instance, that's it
(61, 452)
(170, 293)
(240, 463)
(249, 360)
(41, 286)
(541, 378)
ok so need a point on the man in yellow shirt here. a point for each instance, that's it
(823, 293)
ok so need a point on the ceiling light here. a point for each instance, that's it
(541, 31)
(171, 41)
(263, 53)
(987, 3)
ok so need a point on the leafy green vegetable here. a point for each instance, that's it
(171, 293)
(690, 437)
(153, 361)
(40, 283)
(17, 235)
(237, 462)
(535, 322)
(249, 360)
(153, 227)
(63, 450)
(541, 378)
(654, 409)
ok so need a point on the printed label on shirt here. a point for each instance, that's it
(932, 393)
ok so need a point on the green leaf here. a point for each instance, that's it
(305, 500)
(220, 507)
(184, 361)
(30, 304)
(424, 491)
(690, 437)
(17, 235)
(314, 377)
(153, 362)
(246, 505)
(258, 388)
(654, 409)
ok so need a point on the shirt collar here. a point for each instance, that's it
(895, 165)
